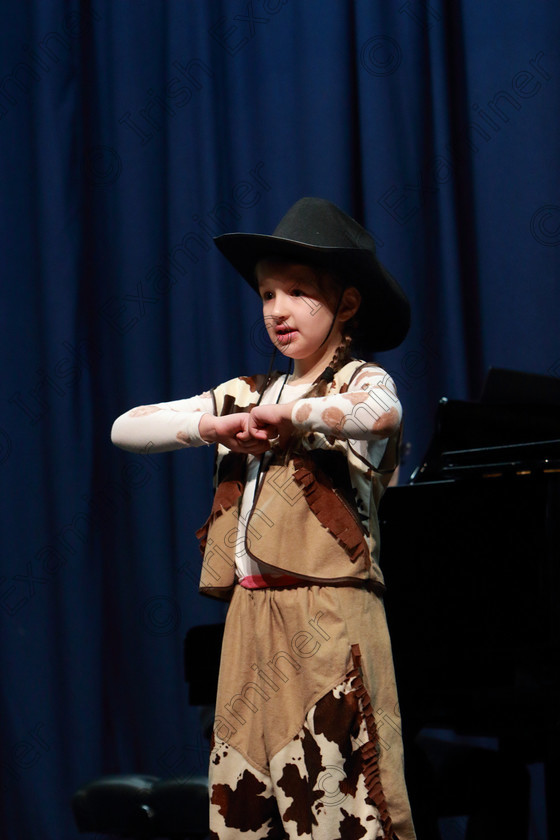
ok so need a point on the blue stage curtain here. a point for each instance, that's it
(130, 134)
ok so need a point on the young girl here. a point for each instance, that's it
(306, 737)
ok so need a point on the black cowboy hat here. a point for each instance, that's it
(314, 231)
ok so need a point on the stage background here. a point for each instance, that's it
(130, 133)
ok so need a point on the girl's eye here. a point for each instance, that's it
(297, 292)
(267, 296)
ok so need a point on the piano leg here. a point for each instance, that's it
(453, 779)
(552, 745)
(552, 783)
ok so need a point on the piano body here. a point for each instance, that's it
(471, 555)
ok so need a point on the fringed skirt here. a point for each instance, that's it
(307, 739)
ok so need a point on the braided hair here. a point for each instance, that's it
(340, 357)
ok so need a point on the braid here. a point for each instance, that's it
(341, 355)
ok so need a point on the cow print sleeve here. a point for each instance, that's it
(162, 427)
(368, 410)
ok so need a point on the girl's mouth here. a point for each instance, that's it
(285, 334)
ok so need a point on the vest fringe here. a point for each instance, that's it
(227, 494)
(331, 511)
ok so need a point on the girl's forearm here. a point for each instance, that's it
(151, 428)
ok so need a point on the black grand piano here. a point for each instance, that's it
(471, 556)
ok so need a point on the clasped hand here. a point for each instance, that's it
(249, 431)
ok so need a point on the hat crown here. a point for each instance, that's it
(318, 222)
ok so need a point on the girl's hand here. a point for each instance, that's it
(271, 421)
(231, 431)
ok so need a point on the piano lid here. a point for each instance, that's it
(513, 430)
(512, 387)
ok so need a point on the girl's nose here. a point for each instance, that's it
(279, 310)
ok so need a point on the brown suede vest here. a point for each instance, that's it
(304, 521)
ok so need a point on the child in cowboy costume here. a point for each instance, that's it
(306, 736)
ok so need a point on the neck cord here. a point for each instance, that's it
(268, 377)
(267, 380)
(335, 313)
(289, 371)
(329, 372)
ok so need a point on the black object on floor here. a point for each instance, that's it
(143, 807)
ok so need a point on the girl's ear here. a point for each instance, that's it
(350, 303)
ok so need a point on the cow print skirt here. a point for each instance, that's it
(307, 740)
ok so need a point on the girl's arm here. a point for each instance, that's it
(368, 410)
(164, 427)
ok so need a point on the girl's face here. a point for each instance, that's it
(298, 311)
